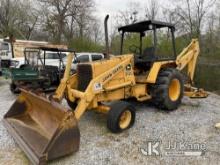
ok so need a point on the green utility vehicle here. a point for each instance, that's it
(42, 68)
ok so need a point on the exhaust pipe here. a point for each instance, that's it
(106, 36)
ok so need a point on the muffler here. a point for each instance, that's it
(43, 129)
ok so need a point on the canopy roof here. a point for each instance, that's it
(144, 26)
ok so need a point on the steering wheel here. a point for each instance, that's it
(134, 49)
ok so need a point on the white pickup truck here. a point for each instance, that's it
(84, 57)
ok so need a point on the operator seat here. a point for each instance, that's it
(145, 60)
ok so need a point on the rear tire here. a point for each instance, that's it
(167, 92)
(121, 116)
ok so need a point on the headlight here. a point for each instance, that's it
(14, 64)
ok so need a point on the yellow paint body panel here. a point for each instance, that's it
(152, 77)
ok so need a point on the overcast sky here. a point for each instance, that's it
(111, 7)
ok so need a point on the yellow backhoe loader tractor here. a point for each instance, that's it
(45, 130)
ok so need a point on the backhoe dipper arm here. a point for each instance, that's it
(188, 57)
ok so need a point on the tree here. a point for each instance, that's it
(7, 17)
(96, 31)
(129, 15)
(58, 11)
(65, 16)
(191, 14)
(152, 9)
(17, 18)
(28, 19)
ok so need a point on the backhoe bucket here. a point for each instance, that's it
(43, 129)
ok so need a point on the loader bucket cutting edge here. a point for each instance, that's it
(43, 129)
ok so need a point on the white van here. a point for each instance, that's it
(5, 53)
(5, 50)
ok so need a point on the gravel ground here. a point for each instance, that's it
(193, 122)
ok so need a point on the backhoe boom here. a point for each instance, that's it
(188, 57)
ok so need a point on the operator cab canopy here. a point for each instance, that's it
(144, 26)
(159, 49)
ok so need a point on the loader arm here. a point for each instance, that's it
(59, 93)
(188, 57)
(85, 98)
(97, 86)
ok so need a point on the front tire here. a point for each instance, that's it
(14, 89)
(167, 92)
(121, 116)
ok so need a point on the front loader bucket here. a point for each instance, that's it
(43, 129)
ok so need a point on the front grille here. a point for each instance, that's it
(84, 76)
